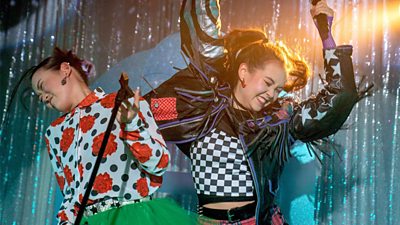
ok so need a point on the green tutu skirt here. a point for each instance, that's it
(160, 211)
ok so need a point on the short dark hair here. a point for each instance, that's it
(52, 63)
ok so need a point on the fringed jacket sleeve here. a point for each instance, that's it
(324, 114)
(314, 118)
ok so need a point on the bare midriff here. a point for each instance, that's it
(226, 205)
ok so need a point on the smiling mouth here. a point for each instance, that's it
(262, 100)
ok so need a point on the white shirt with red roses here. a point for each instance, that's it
(133, 162)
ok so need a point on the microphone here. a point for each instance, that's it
(322, 22)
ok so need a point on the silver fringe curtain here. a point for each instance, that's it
(356, 186)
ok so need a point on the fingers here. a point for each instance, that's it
(119, 116)
(122, 113)
(321, 8)
(125, 107)
(137, 97)
(127, 111)
(312, 11)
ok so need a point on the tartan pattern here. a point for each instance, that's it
(277, 217)
(208, 221)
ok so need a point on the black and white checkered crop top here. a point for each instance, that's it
(219, 167)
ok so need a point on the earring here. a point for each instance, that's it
(242, 83)
(64, 81)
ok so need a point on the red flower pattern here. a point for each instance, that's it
(76, 209)
(60, 181)
(155, 181)
(89, 202)
(163, 161)
(141, 187)
(66, 139)
(47, 145)
(89, 100)
(72, 113)
(130, 135)
(86, 123)
(58, 159)
(62, 216)
(103, 183)
(80, 169)
(108, 101)
(141, 151)
(141, 117)
(68, 175)
(110, 148)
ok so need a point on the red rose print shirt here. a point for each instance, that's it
(134, 159)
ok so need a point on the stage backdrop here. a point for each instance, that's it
(356, 186)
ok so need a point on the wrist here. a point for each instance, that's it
(328, 42)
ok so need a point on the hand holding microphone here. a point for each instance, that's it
(323, 17)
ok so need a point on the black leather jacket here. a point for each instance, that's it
(193, 102)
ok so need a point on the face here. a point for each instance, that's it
(47, 85)
(262, 85)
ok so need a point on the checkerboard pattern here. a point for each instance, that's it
(219, 166)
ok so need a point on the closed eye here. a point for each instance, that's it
(269, 82)
(40, 96)
(39, 85)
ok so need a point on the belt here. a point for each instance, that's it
(233, 214)
(108, 204)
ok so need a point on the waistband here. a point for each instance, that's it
(231, 215)
(108, 204)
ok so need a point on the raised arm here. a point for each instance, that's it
(200, 26)
(175, 103)
(144, 140)
(323, 114)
